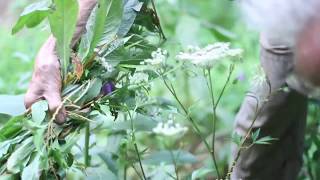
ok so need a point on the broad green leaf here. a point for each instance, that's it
(102, 26)
(5, 145)
(20, 156)
(112, 23)
(32, 15)
(90, 92)
(63, 23)
(12, 105)
(131, 8)
(169, 157)
(201, 173)
(32, 171)
(11, 128)
(38, 111)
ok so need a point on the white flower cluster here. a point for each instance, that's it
(107, 66)
(169, 128)
(158, 57)
(210, 55)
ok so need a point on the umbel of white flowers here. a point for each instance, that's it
(210, 55)
(169, 128)
(158, 57)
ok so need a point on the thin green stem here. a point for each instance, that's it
(86, 145)
(213, 119)
(135, 145)
(193, 123)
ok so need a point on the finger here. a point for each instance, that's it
(31, 98)
(56, 107)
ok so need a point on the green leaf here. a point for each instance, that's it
(131, 9)
(38, 111)
(90, 92)
(32, 171)
(63, 23)
(102, 26)
(265, 140)
(5, 145)
(20, 156)
(236, 138)
(12, 104)
(32, 15)
(169, 157)
(201, 173)
(112, 23)
(11, 128)
(255, 135)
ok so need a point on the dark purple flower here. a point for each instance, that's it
(107, 88)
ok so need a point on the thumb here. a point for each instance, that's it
(56, 107)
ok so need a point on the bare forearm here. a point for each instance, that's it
(85, 9)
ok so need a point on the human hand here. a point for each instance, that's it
(46, 81)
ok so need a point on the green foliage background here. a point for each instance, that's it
(185, 22)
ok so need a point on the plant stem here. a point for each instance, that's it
(213, 119)
(135, 145)
(194, 124)
(86, 145)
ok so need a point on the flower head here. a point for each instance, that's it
(157, 57)
(210, 55)
(108, 88)
(169, 128)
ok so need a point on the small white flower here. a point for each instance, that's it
(210, 55)
(157, 57)
(169, 128)
(107, 66)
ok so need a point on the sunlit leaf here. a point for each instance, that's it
(32, 15)
(63, 23)
(38, 111)
(32, 171)
(20, 156)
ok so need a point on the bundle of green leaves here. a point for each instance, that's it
(97, 80)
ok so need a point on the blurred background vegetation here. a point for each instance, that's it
(185, 22)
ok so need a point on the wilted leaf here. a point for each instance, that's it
(32, 15)
(63, 23)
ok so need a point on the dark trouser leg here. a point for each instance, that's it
(283, 116)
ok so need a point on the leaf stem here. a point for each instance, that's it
(86, 145)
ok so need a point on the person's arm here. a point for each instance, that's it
(46, 79)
